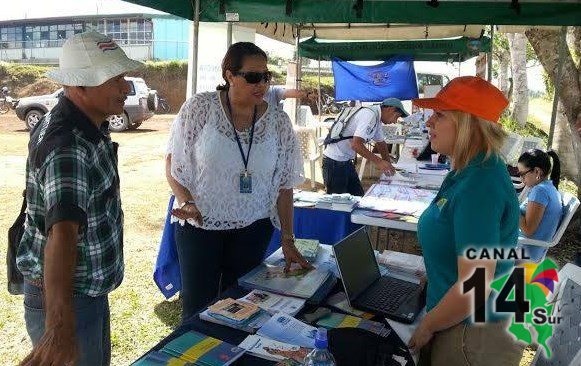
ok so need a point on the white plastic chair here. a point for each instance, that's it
(567, 332)
(310, 150)
(531, 142)
(570, 205)
(511, 148)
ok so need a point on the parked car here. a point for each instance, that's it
(140, 105)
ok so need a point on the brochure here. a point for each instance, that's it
(273, 350)
(308, 248)
(297, 282)
(273, 303)
(339, 302)
(284, 328)
(202, 350)
(234, 311)
(250, 326)
(336, 320)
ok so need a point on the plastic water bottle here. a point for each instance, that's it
(320, 356)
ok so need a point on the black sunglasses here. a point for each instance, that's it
(522, 174)
(252, 77)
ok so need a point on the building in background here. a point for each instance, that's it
(33, 32)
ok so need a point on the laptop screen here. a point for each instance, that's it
(357, 263)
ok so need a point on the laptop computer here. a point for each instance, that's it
(367, 290)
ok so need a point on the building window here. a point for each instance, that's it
(10, 37)
(125, 31)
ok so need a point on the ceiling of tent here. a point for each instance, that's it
(447, 50)
(359, 31)
(515, 12)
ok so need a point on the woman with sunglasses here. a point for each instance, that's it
(475, 209)
(232, 163)
(542, 209)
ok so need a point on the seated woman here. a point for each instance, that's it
(542, 209)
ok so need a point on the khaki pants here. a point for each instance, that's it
(472, 345)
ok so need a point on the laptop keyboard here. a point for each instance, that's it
(387, 294)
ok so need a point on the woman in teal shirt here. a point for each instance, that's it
(476, 208)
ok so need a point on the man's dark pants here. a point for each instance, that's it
(341, 177)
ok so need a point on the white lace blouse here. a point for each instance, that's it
(206, 160)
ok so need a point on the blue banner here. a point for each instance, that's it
(394, 78)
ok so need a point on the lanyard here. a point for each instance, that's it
(245, 158)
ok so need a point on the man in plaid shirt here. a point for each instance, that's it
(71, 253)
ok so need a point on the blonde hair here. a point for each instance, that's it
(475, 135)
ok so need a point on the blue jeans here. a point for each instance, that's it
(92, 320)
(213, 260)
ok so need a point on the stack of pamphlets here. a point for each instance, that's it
(297, 282)
(397, 199)
(338, 202)
(269, 349)
(336, 320)
(284, 328)
(193, 348)
(397, 262)
(306, 198)
(273, 303)
(309, 248)
(236, 314)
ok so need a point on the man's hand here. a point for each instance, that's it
(58, 346)
(385, 167)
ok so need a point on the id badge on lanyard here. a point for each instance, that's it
(245, 176)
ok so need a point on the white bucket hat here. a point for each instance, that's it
(90, 59)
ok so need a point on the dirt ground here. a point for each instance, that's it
(140, 315)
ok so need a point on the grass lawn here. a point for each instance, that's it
(140, 316)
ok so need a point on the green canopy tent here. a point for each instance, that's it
(524, 12)
(446, 50)
(289, 16)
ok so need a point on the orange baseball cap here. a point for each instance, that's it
(469, 94)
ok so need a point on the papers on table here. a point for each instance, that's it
(309, 248)
(193, 348)
(250, 325)
(336, 320)
(284, 328)
(273, 350)
(336, 202)
(296, 282)
(402, 262)
(396, 199)
(273, 303)
(324, 261)
(339, 301)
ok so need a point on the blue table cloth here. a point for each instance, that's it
(327, 226)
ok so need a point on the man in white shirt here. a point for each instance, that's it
(276, 93)
(339, 172)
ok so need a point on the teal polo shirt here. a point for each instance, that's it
(476, 207)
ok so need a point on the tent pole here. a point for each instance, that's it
(489, 55)
(229, 35)
(319, 93)
(298, 79)
(562, 42)
(193, 54)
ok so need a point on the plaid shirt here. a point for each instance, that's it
(71, 175)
